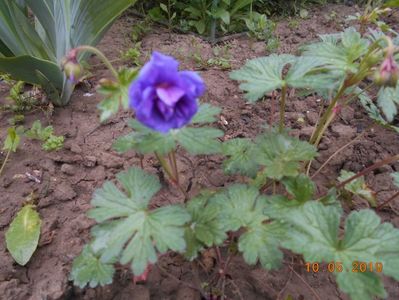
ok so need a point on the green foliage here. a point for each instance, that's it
(387, 100)
(115, 93)
(314, 233)
(264, 75)
(240, 154)
(22, 237)
(281, 154)
(87, 268)
(21, 101)
(358, 187)
(31, 49)
(134, 233)
(12, 140)
(260, 27)
(196, 140)
(50, 141)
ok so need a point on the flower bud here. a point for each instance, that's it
(73, 70)
(389, 72)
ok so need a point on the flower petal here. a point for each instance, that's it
(169, 94)
(193, 83)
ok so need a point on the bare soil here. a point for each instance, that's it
(69, 176)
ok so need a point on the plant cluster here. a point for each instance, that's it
(275, 205)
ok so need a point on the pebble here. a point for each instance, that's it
(89, 161)
(68, 169)
(64, 192)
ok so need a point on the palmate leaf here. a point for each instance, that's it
(196, 140)
(206, 114)
(339, 52)
(205, 228)
(282, 154)
(130, 232)
(301, 187)
(87, 268)
(314, 233)
(242, 206)
(240, 157)
(387, 100)
(264, 75)
(358, 187)
(373, 111)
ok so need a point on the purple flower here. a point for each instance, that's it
(163, 97)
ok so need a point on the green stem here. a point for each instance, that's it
(282, 107)
(103, 58)
(327, 117)
(5, 161)
(166, 167)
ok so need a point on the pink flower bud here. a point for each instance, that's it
(389, 72)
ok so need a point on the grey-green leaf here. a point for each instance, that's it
(23, 235)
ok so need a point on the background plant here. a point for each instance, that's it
(32, 46)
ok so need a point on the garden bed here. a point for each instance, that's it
(68, 177)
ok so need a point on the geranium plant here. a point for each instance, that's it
(275, 205)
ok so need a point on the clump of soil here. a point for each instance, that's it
(70, 175)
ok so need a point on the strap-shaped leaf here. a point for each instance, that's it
(128, 230)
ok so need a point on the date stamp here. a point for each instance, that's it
(338, 267)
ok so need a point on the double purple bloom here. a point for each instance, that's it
(164, 98)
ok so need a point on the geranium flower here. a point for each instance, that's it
(164, 98)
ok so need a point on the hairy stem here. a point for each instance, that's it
(369, 169)
(102, 57)
(5, 161)
(326, 118)
(282, 107)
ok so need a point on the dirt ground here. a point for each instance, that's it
(70, 175)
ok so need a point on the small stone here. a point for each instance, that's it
(68, 169)
(111, 161)
(89, 161)
(312, 117)
(343, 130)
(323, 146)
(64, 192)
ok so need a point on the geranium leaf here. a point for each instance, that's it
(87, 268)
(262, 75)
(314, 233)
(206, 114)
(301, 187)
(130, 232)
(202, 140)
(282, 154)
(240, 157)
(358, 187)
(23, 235)
(395, 177)
(388, 99)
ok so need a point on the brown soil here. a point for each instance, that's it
(70, 176)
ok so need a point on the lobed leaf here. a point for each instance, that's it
(358, 187)
(240, 157)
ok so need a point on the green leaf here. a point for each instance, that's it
(131, 232)
(206, 226)
(206, 114)
(23, 235)
(201, 140)
(262, 243)
(12, 140)
(387, 100)
(339, 51)
(301, 187)
(262, 75)
(243, 206)
(314, 233)
(358, 187)
(281, 154)
(87, 268)
(240, 153)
